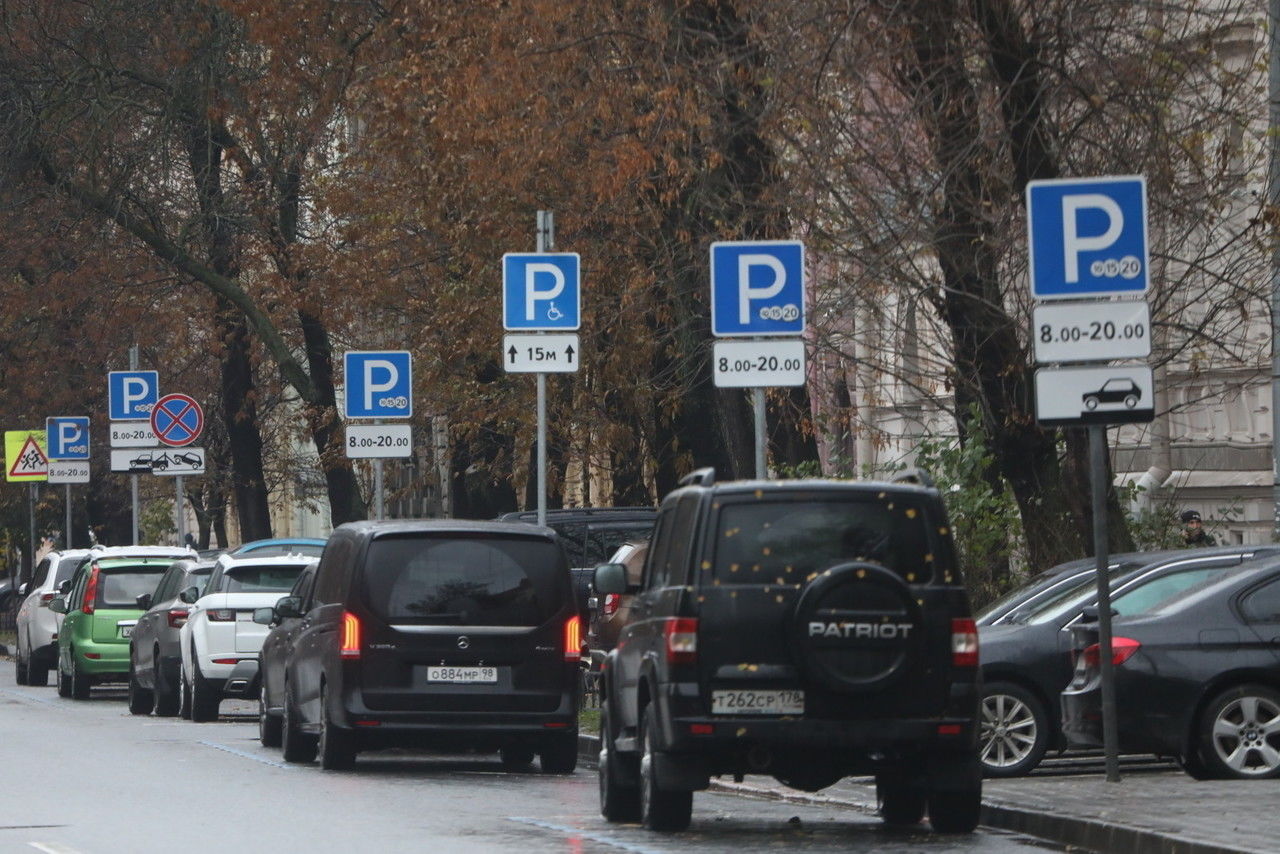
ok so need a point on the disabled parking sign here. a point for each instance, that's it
(541, 291)
(757, 288)
(1087, 237)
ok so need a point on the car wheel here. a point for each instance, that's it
(1091, 403)
(559, 755)
(516, 758)
(21, 671)
(1193, 764)
(1015, 730)
(336, 745)
(168, 702)
(140, 699)
(37, 675)
(79, 681)
(660, 809)
(268, 724)
(298, 745)
(1130, 401)
(957, 809)
(1240, 733)
(205, 698)
(184, 696)
(619, 776)
(902, 799)
(64, 684)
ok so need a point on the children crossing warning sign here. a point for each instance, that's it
(24, 455)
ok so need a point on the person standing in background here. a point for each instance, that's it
(1193, 532)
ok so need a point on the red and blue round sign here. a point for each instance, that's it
(177, 420)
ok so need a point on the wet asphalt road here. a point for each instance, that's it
(86, 777)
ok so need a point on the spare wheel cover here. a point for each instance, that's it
(858, 627)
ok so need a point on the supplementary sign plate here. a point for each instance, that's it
(759, 364)
(162, 461)
(375, 441)
(132, 434)
(68, 471)
(540, 354)
(1091, 331)
(1111, 394)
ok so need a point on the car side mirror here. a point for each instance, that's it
(190, 595)
(58, 605)
(610, 578)
(289, 607)
(144, 601)
(264, 616)
(65, 587)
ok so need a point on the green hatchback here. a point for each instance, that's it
(101, 609)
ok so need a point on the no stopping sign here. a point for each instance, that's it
(177, 420)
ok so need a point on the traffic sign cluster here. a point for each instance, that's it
(1087, 241)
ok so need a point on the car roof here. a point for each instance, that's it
(134, 560)
(581, 514)
(766, 487)
(231, 561)
(250, 546)
(393, 527)
(173, 552)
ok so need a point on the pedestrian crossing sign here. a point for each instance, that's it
(24, 456)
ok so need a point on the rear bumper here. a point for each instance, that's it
(102, 659)
(243, 679)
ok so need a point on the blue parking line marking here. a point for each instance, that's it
(247, 755)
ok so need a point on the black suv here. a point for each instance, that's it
(440, 634)
(809, 630)
(589, 536)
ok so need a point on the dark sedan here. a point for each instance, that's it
(155, 653)
(1025, 661)
(285, 620)
(1197, 677)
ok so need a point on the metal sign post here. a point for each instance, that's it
(541, 293)
(1088, 252)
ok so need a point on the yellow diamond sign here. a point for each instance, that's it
(24, 455)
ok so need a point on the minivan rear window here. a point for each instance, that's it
(785, 542)
(120, 587)
(466, 580)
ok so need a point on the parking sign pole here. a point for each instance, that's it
(1097, 463)
(66, 539)
(133, 478)
(545, 243)
(757, 401)
(180, 520)
(379, 505)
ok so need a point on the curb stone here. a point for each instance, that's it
(1089, 834)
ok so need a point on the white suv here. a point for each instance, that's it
(220, 632)
(38, 627)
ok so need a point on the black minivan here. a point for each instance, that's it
(445, 634)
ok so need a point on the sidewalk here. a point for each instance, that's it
(1150, 811)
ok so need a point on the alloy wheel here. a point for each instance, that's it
(1246, 736)
(1009, 731)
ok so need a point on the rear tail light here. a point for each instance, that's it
(1122, 649)
(681, 636)
(610, 606)
(90, 591)
(573, 639)
(177, 618)
(964, 643)
(226, 661)
(46, 598)
(349, 638)
(221, 615)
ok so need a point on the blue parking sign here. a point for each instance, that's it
(67, 437)
(757, 288)
(541, 291)
(1087, 237)
(379, 383)
(131, 395)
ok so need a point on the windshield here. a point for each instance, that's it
(1064, 600)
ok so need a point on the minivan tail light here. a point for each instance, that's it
(573, 638)
(964, 642)
(681, 636)
(349, 638)
(1122, 649)
(610, 606)
(90, 591)
(177, 618)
